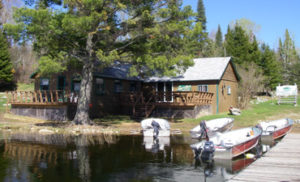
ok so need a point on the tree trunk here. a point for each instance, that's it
(82, 113)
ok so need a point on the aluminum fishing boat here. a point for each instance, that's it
(229, 144)
(276, 128)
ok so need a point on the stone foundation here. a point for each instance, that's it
(54, 113)
(182, 112)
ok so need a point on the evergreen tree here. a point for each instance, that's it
(150, 35)
(288, 56)
(6, 68)
(219, 37)
(238, 46)
(204, 45)
(270, 66)
(201, 17)
(218, 44)
(254, 51)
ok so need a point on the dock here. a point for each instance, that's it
(281, 163)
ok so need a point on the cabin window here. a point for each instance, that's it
(203, 88)
(133, 87)
(75, 86)
(228, 90)
(99, 86)
(44, 84)
(118, 86)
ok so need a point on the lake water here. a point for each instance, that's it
(107, 158)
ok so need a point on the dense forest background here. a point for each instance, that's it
(261, 67)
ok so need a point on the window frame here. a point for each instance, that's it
(202, 88)
(41, 86)
(100, 87)
(116, 88)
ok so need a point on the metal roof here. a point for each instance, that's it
(203, 69)
(118, 71)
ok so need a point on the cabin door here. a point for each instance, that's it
(164, 90)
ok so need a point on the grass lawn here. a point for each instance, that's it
(2, 101)
(25, 87)
(269, 110)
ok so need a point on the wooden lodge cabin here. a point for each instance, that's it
(208, 87)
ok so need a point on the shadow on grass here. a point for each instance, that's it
(113, 120)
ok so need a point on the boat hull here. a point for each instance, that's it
(244, 147)
(280, 132)
(229, 153)
(229, 150)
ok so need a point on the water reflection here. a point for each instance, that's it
(156, 144)
(107, 158)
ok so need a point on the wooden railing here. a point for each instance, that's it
(185, 97)
(40, 97)
(172, 98)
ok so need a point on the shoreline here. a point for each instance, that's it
(22, 124)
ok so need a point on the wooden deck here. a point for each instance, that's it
(281, 163)
(144, 103)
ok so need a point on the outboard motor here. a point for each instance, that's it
(156, 128)
(208, 150)
(203, 131)
(155, 146)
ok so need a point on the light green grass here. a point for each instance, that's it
(25, 86)
(2, 101)
(256, 113)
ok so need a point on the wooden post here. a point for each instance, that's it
(7, 101)
(31, 96)
(56, 94)
(21, 97)
(51, 96)
(46, 96)
(41, 97)
(35, 96)
(13, 97)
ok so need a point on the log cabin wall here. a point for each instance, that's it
(228, 89)
(108, 100)
(53, 80)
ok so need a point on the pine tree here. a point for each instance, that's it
(6, 68)
(270, 66)
(288, 56)
(238, 46)
(201, 14)
(219, 37)
(254, 51)
(204, 45)
(150, 35)
(218, 44)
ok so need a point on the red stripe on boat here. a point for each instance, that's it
(243, 147)
(281, 132)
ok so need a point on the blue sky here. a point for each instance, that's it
(273, 16)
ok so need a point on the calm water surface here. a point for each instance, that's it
(107, 158)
